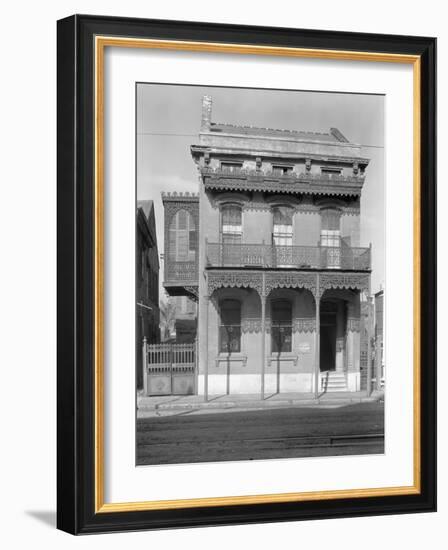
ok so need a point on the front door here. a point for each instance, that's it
(328, 337)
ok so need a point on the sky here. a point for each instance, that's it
(169, 119)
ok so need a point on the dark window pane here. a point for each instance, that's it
(193, 240)
(230, 326)
(230, 338)
(281, 334)
(230, 312)
(282, 312)
(231, 166)
(281, 339)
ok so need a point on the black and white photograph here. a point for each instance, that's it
(260, 274)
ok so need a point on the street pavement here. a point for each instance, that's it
(287, 432)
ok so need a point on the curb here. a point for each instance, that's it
(226, 405)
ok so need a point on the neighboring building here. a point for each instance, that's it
(366, 331)
(186, 319)
(181, 261)
(270, 248)
(147, 283)
(379, 341)
(178, 320)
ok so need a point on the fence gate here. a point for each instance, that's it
(170, 369)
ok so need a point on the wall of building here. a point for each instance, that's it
(350, 228)
(294, 371)
(257, 222)
(241, 372)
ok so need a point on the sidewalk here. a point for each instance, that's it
(195, 404)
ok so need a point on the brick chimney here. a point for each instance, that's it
(206, 112)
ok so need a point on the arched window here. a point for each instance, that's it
(231, 224)
(183, 237)
(281, 330)
(229, 326)
(282, 227)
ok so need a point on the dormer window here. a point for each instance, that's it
(281, 170)
(231, 166)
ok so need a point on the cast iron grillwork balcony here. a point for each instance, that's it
(289, 182)
(177, 272)
(234, 170)
(293, 257)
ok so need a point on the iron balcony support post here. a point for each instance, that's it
(263, 336)
(317, 339)
(206, 302)
(369, 353)
(171, 356)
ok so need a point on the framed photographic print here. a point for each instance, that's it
(246, 274)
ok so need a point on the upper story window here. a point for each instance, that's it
(281, 170)
(330, 238)
(330, 234)
(281, 330)
(231, 224)
(231, 166)
(182, 237)
(282, 226)
(230, 326)
(331, 170)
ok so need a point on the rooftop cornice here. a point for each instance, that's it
(248, 153)
(179, 196)
(334, 135)
(279, 137)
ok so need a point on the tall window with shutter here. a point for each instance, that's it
(281, 330)
(231, 224)
(183, 237)
(230, 326)
(231, 234)
(282, 235)
(330, 237)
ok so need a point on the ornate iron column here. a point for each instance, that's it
(206, 304)
(369, 353)
(263, 334)
(317, 338)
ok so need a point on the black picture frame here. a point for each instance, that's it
(76, 511)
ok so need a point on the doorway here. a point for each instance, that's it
(328, 333)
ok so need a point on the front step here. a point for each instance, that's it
(333, 381)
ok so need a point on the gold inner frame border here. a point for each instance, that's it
(100, 43)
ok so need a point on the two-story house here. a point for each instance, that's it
(270, 247)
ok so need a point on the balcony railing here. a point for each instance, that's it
(235, 171)
(298, 257)
(181, 272)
